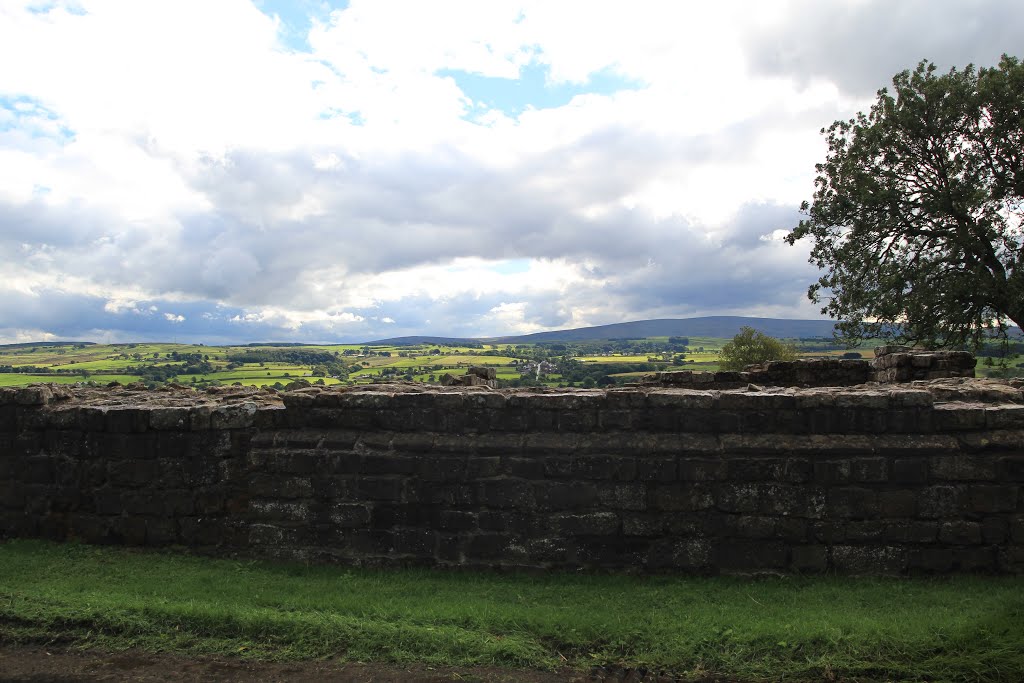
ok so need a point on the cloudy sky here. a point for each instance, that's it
(250, 170)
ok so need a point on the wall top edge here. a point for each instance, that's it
(957, 392)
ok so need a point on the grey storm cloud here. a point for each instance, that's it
(419, 210)
(415, 211)
(861, 45)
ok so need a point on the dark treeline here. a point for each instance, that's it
(295, 356)
(162, 373)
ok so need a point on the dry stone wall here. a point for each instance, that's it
(891, 364)
(926, 477)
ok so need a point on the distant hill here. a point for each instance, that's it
(708, 326)
(722, 326)
(416, 340)
(28, 345)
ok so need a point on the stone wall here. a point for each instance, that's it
(920, 478)
(891, 364)
(903, 364)
(817, 372)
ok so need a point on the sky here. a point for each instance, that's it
(263, 170)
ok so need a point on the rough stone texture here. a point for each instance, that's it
(923, 477)
(891, 364)
(903, 364)
(476, 376)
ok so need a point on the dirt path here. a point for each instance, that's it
(55, 665)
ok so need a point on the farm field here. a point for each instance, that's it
(277, 366)
(593, 363)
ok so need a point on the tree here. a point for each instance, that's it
(751, 347)
(917, 211)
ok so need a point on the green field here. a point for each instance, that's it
(966, 628)
(607, 361)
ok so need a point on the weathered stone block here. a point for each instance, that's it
(902, 503)
(869, 469)
(832, 471)
(960, 533)
(488, 546)
(133, 473)
(702, 469)
(910, 531)
(456, 520)
(942, 501)
(994, 529)
(387, 463)
(507, 493)
(380, 488)
(809, 558)
(628, 496)
(980, 559)
(742, 555)
(656, 468)
(414, 542)
(930, 560)
(578, 420)
(852, 503)
(957, 417)
(526, 468)
(681, 497)
(737, 497)
(869, 559)
(909, 471)
(1006, 416)
(177, 503)
(642, 524)
(1011, 559)
(516, 522)
(754, 526)
(1017, 529)
(1010, 468)
(963, 468)
(993, 498)
(783, 499)
(609, 419)
(688, 554)
(439, 468)
(560, 496)
(349, 515)
(586, 524)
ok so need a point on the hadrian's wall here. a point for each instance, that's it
(921, 477)
(890, 364)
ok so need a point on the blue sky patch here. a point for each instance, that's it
(47, 6)
(297, 18)
(512, 266)
(534, 88)
(30, 117)
(354, 117)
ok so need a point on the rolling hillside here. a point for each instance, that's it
(722, 326)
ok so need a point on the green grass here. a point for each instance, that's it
(958, 629)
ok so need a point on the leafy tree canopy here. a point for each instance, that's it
(751, 347)
(917, 211)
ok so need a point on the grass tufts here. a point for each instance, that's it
(966, 628)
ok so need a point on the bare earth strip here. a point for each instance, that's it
(44, 664)
(54, 665)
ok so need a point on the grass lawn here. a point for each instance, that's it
(796, 628)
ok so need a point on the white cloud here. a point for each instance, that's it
(179, 152)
